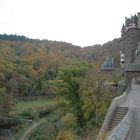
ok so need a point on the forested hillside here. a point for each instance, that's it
(57, 85)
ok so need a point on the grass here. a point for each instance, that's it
(31, 104)
(51, 121)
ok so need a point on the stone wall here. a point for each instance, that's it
(121, 131)
(129, 76)
(138, 24)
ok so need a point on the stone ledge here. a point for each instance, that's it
(120, 132)
(116, 101)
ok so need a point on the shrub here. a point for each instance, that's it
(69, 121)
(15, 121)
(26, 112)
(29, 114)
(65, 135)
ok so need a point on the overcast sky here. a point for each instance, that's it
(81, 22)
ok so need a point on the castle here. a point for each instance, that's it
(130, 48)
(119, 125)
(130, 39)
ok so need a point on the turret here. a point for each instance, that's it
(138, 20)
(129, 40)
(130, 23)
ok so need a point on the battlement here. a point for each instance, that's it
(131, 23)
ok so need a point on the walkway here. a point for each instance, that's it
(133, 100)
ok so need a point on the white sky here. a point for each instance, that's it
(81, 22)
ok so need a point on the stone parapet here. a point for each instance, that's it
(121, 131)
(116, 101)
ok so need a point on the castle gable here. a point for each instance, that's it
(108, 64)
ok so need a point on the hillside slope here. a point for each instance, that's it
(32, 68)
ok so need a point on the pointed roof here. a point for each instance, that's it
(108, 64)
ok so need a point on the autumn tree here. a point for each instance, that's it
(92, 89)
(68, 86)
(5, 102)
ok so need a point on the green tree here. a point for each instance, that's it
(95, 94)
(68, 86)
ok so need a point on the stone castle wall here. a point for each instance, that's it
(137, 59)
(138, 23)
(129, 76)
(129, 44)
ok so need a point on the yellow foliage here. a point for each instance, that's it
(65, 135)
(69, 121)
(34, 73)
(104, 135)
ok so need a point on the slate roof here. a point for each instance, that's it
(133, 67)
(108, 64)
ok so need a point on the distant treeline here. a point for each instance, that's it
(13, 37)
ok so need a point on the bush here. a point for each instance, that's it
(65, 135)
(26, 112)
(15, 121)
(29, 114)
(40, 137)
(69, 121)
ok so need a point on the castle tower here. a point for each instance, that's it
(130, 37)
(130, 43)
